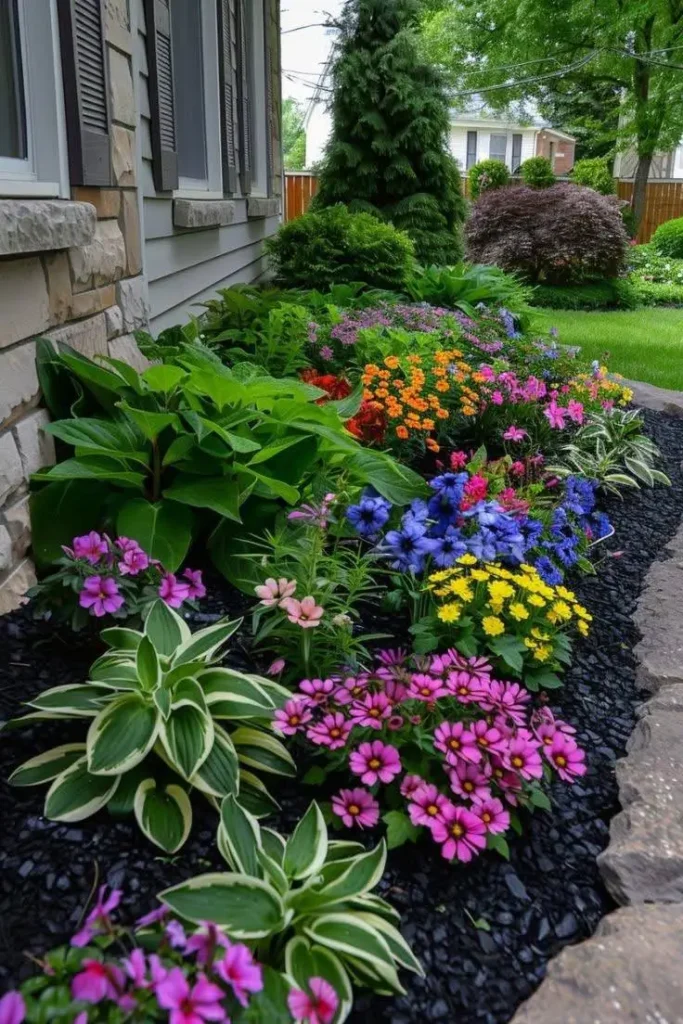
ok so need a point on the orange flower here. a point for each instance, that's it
(442, 385)
(392, 362)
(381, 393)
(402, 433)
(428, 424)
(442, 414)
(384, 375)
(432, 445)
(468, 410)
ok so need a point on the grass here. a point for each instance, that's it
(641, 344)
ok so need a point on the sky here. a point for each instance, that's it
(305, 52)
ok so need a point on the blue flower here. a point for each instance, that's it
(443, 509)
(418, 512)
(450, 484)
(580, 495)
(409, 547)
(449, 548)
(601, 525)
(483, 545)
(548, 572)
(369, 516)
(531, 530)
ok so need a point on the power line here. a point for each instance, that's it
(536, 78)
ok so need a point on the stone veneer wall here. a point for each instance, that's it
(91, 296)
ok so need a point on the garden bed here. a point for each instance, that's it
(484, 932)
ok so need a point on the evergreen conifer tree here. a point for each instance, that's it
(388, 153)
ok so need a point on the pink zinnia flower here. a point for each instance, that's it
(97, 981)
(91, 547)
(518, 468)
(410, 785)
(317, 1008)
(356, 807)
(476, 489)
(98, 921)
(274, 591)
(575, 411)
(555, 415)
(196, 587)
(239, 970)
(101, 595)
(425, 805)
(351, 689)
(522, 756)
(134, 559)
(514, 434)
(173, 591)
(375, 761)
(468, 781)
(12, 1008)
(426, 688)
(190, 1005)
(371, 710)
(507, 698)
(305, 613)
(488, 738)
(292, 717)
(497, 398)
(456, 742)
(494, 816)
(465, 687)
(206, 942)
(461, 833)
(316, 692)
(458, 460)
(332, 732)
(566, 757)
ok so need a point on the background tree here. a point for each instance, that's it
(293, 135)
(388, 152)
(631, 48)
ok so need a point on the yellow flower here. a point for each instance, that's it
(543, 652)
(540, 634)
(518, 611)
(581, 613)
(496, 606)
(440, 576)
(462, 588)
(536, 600)
(467, 560)
(568, 595)
(500, 590)
(531, 644)
(450, 612)
(582, 627)
(480, 575)
(492, 625)
(441, 591)
(560, 612)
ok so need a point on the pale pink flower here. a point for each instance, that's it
(494, 816)
(372, 710)
(12, 1008)
(456, 742)
(332, 732)
(173, 591)
(91, 547)
(356, 807)
(317, 1008)
(292, 717)
(277, 666)
(190, 1005)
(566, 757)
(239, 970)
(514, 434)
(426, 804)
(317, 692)
(274, 591)
(305, 613)
(461, 833)
(101, 595)
(175, 933)
(375, 762)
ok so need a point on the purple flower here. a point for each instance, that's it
(91, 547)
(97, 922)
(326, 353)
(97, 981)
(101, 595)
(238, 970)
(206, 942)
(154, 915)
(196, 587)
(175, 933)
(173, 591)
(12, 1008)
(190, 1005)
(134, 560)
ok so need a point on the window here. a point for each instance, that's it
(12, 116)
(551, 154)
(516, 153)
(498, 147)
(471, 149)
(258, 127)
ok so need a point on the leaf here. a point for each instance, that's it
(96, 435)
(347, 935)
(400, 949)
(247, 908)
(166, 629)
(76, 794)
(219, 493)
(147, 664)
(394, 481)
(164, 815)
(262, 750)
(122, 735)
(255, 796)
(540, 799)
(510, 649)
(205, 643)
(187, 737)
(163, 530)
(61, 511)
(47, 766)
(276, 448)
(150, 423)
(400, 829)
(163, 378)
(219, 775)
(304, 961)
(360, 875)
(78, 699)
(270, 1004)
(279, 488)
(306, 848)
(315, 776)
(234, 695)
(241, 838)
(498, 843)
(94, 467)
(119, 638)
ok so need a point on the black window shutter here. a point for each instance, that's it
(270, 102)
(86, 92)
(243, 99)
(227, 53)
(161, 100)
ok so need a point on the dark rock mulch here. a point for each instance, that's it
(485, 932)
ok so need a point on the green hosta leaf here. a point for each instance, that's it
(342, 849)
(121, 639)
(187, 737)
(122, 803)
(163, 699)
(261, 750)
(234, 695)
(373, 903)
(219, 493)
(306, 848)
(400, 829)
(163, 530)
(360, 875)
(241, 838)
(166, 629)
(219, 775)
(205, 643)
(84, 700)
(394, 481)
(122, 735)
(147, 664)
(346, 935)
(400, 949)
(47, 766)
(164, 815)
(76, 794)
(255, 796)
(247, 908)
(150, 423)
(274, 845)
(304, 961)
(116, 675)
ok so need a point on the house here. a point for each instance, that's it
(140, 170)
(664, 167)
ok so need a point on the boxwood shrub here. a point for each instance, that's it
(612, 293)
(668, 238)
(487, 174)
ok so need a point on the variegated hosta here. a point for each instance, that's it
(306, 901)
(163, 719)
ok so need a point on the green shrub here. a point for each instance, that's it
(594, 174)
(335, 246)
(668, 238)
(537, 172)
(465, 285)
(487, 174)
(613, 293)
(654, 293)
(629, 219)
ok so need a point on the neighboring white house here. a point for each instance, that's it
(665, 166)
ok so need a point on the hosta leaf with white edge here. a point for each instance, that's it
(400, 949)
(80, 700)
(304, 961)
(274, 844)
(342, 849)
(122, 735)
(76, 794)
(147, 664)
(118, 675)
(346, 935)
(46, 767)
(235, 695)
(119, 638)
(263, 751)
(242, 839)
(362, 873)
(166, 629)
(206, 642)
(164, 815)
(219, 775)
(272, 871)
(374, 904)
(187, 737)
(246, 907)
(255, 797)
(306, 848)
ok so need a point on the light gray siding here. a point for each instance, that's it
(184, 267)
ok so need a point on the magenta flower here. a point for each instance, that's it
(315, 515)
(555, 415)
(190, 1005)
(277, 666)
(332, 732)
(356, 807)
(305, 613)
(488, 738)
(98, 922)
(522, 756)
(426, 688)
(410, 785)
(566, 757)
(426, 804)
(470, 782)
(12, 1008)
(514, 434)
(458, 460)
(575, 411)
(494, 816)
(395, 722)
(196, 588)
(507, 780)
(465, 686)
(101, 595)
(292, 717)
(134, 560)
(274, 591)
(136, 968)
(175, 933)
(91, 547)
(173, 591)
(206, 943)
(461, 833)
(154, 915)
(317, 1008)
(317, 692)
(240, 972)
(371, 711)
(351, 689)
(375, 761)
(97, 981)
(508, 699)
(456, 742)
(479, 667)
(518, 468)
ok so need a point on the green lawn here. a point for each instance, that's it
(642, 344)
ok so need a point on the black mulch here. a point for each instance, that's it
(550, 893)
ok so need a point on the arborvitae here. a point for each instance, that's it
(388, 152)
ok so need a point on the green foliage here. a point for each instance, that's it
(612, 293)
(537, 172)
(335, 246)
(658, 280)
(465, 285)
(487, 174)
(651, 293)
(389, 147)
(595, 174)
(293, 135)
(668, 238)
(163, 720)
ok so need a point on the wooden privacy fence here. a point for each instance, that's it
(300, 187)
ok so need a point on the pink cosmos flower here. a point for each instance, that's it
(507, 698)
(356, 807)
(514, 434)
(566, 757)
(207, 942)
(196, 589)
(190, 1005)
(395, 691)
(522, 756)
(276, 668)
(371, 711)
(470, 782)
(575, 411)
(458, 460)
(317, 1008)
(316, 692)
(97, 981)
(97, 922)
(411, 784)
(456, 742)
(173, 591)
(479, 667)
(465, 687)
(555, 415)
(101, 595)
(518, 468)
(394, 723)
(332, 732)
(133, 561)
(507, 781)
(240, 972)
(12, 1008)
(274, 591)
(461, 833)
(351, 689)
(426, 688)
(375, 761)
(494, 816)
(426, 804)
(91, 547)
(305, 613)
(488, 738)
(292, 717)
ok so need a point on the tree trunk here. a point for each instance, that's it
(640, 189)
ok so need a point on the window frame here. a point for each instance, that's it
(258, 99)
(468, 133)
(499, 135)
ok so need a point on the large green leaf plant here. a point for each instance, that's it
(163, 719)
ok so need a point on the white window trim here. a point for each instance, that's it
(258, 99)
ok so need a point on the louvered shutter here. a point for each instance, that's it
(161, 100)
(86, 92)
(243, 99)
(227, 52)
(270, 102)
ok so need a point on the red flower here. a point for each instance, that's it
(370, 422)
(336, 387)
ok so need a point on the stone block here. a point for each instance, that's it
(123, 155)
(58, 286)
(121, 88)
(5, 549)
(13, 589)
(24, 304)
(36, 448)
(18, 522)
(89, 337)
(39, 225)
(107, 201)
(258, 208)
(203, 213)
(18, 381)
(117, 24)
(648, 396)
(132, 298)
(102, 262)
(126, 349)
(94, 301)
(130, 225)
(113, 319)
(11, 472)
(660, 652)
(629, 972)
